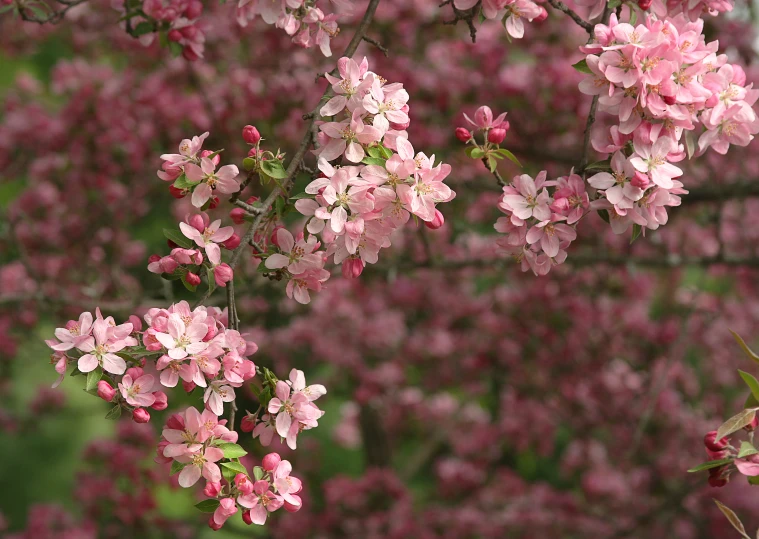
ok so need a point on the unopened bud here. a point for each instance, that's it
(140, 415)
(192, 279)
(463, 134)
(105, 391)
(496, 136)
(237, 215)
(543, 15)
(161, 401)
(640, 180)
(271, 461)
(436, 222)
(352, 267)
(250, 134)
(232, 242)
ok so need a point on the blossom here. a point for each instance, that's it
(216, 395)
(182, 340)
(200, 463)
(261, 502)
(202, 232)
(299, 284)
(137, 392)
(227, 508)
(101, 349)
(346, 137)
(483, 117)
(298, 256)
(74, 333)
(617, 186)
(653, 161)
(285, 484)
(209, 180)
(550, 234)
(523, 199)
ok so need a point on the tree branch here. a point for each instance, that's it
(582, 23)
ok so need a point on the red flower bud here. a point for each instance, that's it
(641, 181)
(161, 401)
(463, 134)
(136, 322)
(645, 4)
(216, 159)
(214, 203)
(712, 444)
(252, 199)
(153, 258)
(140, 415)
(212, 489)
(273, 237)
(192, 279)
(194, 10)
(496, 135)
(188, 386)
(248, 423)
(543, 15)
(237, 215)
(105, 391)
(352, 267)
(175, 35)
(436, 222)
(250, 134)
(212, 524)
(271, 461)
(232, 242)
(135, 372)
(189, 54)
(290, 508)
(246, 518)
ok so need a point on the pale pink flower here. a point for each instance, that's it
(523, 200)
(210, 233)
(200, 463)
(286, 484)
(217, 394)
(483, 118)
(299, 285)
(227, 508)
(347, 138)
(73, 334)
(100, 349)
(209, 180)
(653, 161)
(261, 502)
(348, 88)
(182, 340)
(298, 256)
(139, 391)
(550, 234)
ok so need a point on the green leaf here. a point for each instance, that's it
(188, 286)
(176, 48)
(510, 156)
(754, 481)
(211, 280)
(374, 151)
(378, 161)
(183, 183)
(143, 28)
(93, 377)
(208, 506)
(475, 152)
(599, 165)
(604, 214)
(709, 465)
(300, 196)
(258, 473)
(736, 423)
(177, 467)
(492, 164)
(747, 449)
(274, 169)
(633, 17)
(248, 163)
(236, 467)
(635, 233)
(614, 4)
(732, 518)
(177, 238)
(751, 382)
(386, 152)
(745, 347)
(279, 207)
(582, 65)
(751, 401)
(7, 8)
(232, 451)
(114, 413)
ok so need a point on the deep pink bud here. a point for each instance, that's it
(175, 422)
(463, 134)
(134, 372)
(352, 267)
(273, 238)
(400, 127)
(716, 479)
(189, 54)
(496, 135)
(136, 322)
(436, 222)
(177, 193)
(192, 279)
(194, 10)
(248, 423)
(271, 461)
(161, 401)
(560, 205)
(175, 35)
(222, 274)
(212, 524)
(252, 200)
(751, 426)
(641, 181)
(190, 32)
(153, 258)
(669, 99)
(290, 508)
(237, 215)
(214, 203)
(543, 15)
(188, 386)
(246, 518)
(712, 444)
(250, 134)
(216, 158)
(243, 484)
(232, 242)
(140, 415)
(196, 221)
(717, 455)
(212, 489)
(645, 4)
(105, 391)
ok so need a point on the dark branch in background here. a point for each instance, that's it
(466, 15)
(716, 193)
(377, 44)
(36, 11)
(496, 174)
(561, 6)
(375, 443)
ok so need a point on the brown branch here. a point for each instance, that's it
(377, 44)
(467, 16)
(582, 23)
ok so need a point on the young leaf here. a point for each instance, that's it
(386, 152)
(751, 382)
(208, 506)
(510, 156)
(114, 413)
(236, 467)
(374, 161)
(710, 464)
(635, 233)
(93, 377)
(492, 164)
(177, 238)
(582, 65)
(747, 450)
(475, 152)
(690, 144)
(211, 280)
(374, 151)
(248, 163)
(258, 473)
(599, 165)
(183, 183)
(732, 518)
(274, 169)
(142, 29)
(736, 423)
(300, 196)
(604, 214)
(232, 451)
(177, 467)
(745, 347)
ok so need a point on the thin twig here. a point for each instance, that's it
(377, 44)
(561, 6)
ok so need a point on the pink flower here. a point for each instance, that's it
(200, 463)
(348, 88)
(483, 117)
(550, 234)
(297, 256)
(522, 198)
(216, 395)
(265, 430)
(202, 233)
(139, 391)
(182, 340)
(427, 189)
(101, 348)
(227, 508)
(517, 11)
(653, 160)
(74, 333)
(210, 180)
(261, 502)
(299, 285)
(285, 484)
(347, 137)
(618, 186)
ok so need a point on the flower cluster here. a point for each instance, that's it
(664, 83)
(356, 207)
(512, 13)
(302, 19)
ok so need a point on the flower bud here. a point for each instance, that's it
(290, 508)
(175, 35)
(248, 423)
(192, 279)
(177, 193)
(716, 478)
(188, 386)
(237, 215)
(752, 426)
(496, 135)
(140, 415)
(250, 134)
(153, 258)
(189, 54)
(212, 489)
(213, 525)
(273, 238)
(105, 391)
(135, 372)
(640, 180)
(161, 401)
(252, 200)
(543, 15)
(216, 159)
(436, 222)
(712, 444)
(222, 274)
(243, 484)
(246, 518)
(194, 10)
(175, 422)
(352, 267)
(136, 322)
(197, 222)
(232, 242)
(271, 461)
(463, 134)
(645, 4)
(214, 203)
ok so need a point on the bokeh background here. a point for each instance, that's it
(466, 399)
